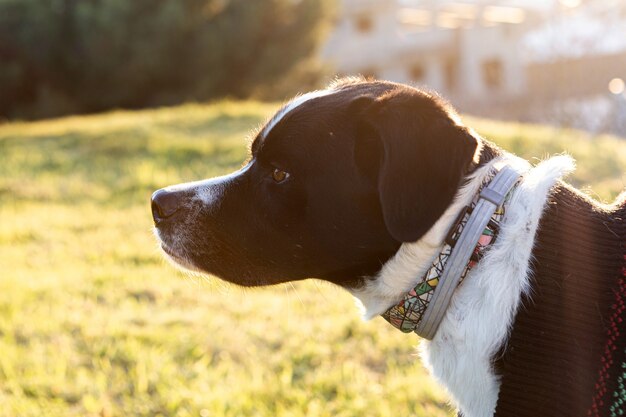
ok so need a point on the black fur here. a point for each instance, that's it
(425, 158)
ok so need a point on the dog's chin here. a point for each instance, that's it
(180, 261)
(185, 264)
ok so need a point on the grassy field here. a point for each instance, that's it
(93, 322)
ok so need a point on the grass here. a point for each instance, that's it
(92, 322)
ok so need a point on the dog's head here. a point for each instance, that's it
(337, 180)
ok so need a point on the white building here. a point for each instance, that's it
(502, 58)
(463, 49)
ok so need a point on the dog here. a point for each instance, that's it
(359, 184)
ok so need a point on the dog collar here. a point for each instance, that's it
(476, 228)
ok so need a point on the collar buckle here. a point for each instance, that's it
(454, 232)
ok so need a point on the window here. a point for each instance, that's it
(416, 72)
(450, 73)
(364, 23)
(492, 73)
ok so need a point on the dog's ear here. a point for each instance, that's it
(425, 156)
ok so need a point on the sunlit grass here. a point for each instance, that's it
(93, 322)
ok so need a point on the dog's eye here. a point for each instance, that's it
(279, 175)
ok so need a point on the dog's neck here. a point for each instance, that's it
(484, 305)
(412, 260)
(474, 231)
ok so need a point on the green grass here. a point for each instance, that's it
(93, 322)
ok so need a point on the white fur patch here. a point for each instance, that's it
(483, 308)
(298, 101)
(208, 191)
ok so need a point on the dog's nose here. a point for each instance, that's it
(164, 204)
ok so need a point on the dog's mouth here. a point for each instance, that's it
(178, 259)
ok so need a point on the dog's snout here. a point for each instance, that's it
(164, 204)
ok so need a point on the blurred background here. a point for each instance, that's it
(556, 61)
(104, 101)
(550, 61)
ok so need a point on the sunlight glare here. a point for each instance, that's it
(616, 86)
(570, 3)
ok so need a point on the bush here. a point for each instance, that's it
(64, 56)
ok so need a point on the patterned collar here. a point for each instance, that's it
(476, 228)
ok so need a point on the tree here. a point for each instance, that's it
(63, 56)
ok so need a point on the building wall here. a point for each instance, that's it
(465, 64)
(578, 77)
(480, 67)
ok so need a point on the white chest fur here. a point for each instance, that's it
(483, 307)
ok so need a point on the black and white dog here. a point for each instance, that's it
(367, 174)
